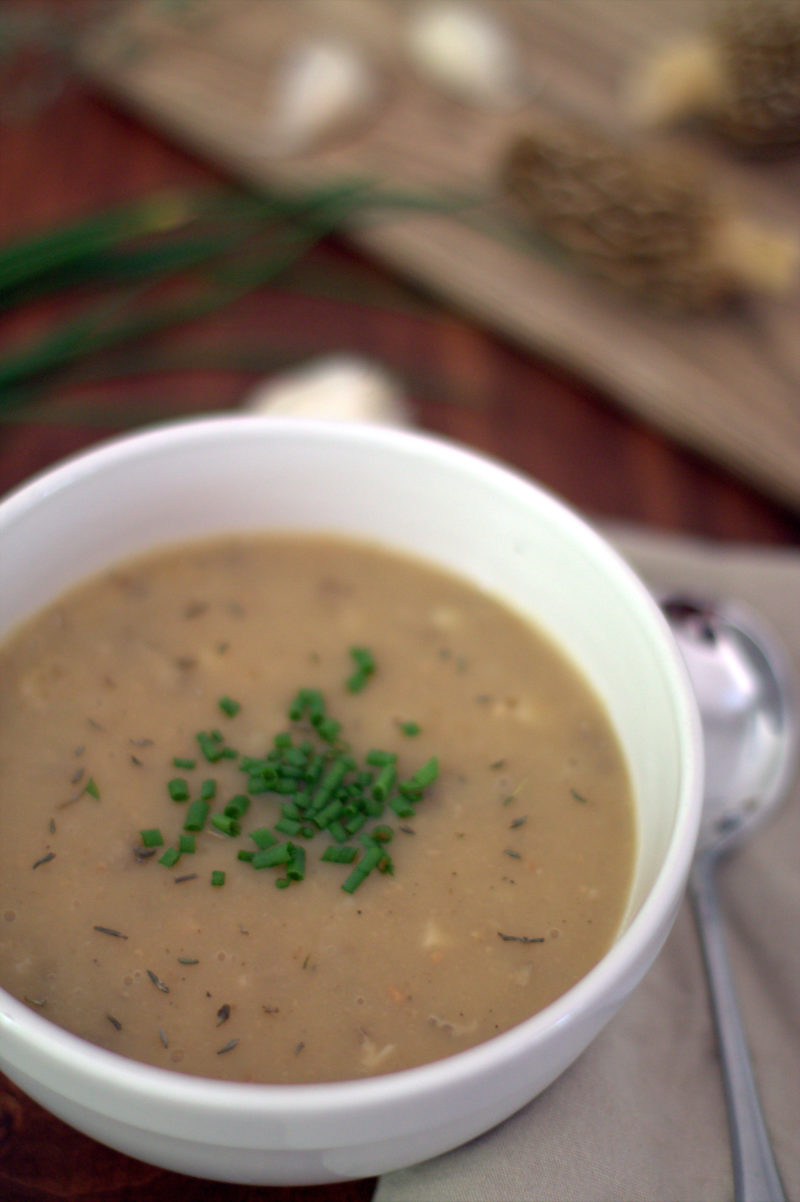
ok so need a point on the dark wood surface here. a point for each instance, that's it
(78, 153)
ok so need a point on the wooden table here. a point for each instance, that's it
(78, 153)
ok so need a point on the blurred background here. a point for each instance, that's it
(562, 233)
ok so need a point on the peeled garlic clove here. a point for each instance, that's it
(338, 387)
(464, 51)
(323, 87)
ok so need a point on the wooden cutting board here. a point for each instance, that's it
(726, 385)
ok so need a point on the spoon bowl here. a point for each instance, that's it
(749, 712)
(748, 707)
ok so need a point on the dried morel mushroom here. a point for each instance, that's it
(641, 218)
(741, 74)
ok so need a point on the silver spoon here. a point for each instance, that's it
(749, 716)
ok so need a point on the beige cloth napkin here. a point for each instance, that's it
(641, 1116)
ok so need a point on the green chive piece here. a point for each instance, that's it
(178, 789)
(229, 706)
(282, 882)
(170, 857)
(329, 814)
(245, 855)
(425, 775)
(377, 757)
(402, 807)
(296, 864)
(328, 729)
(92, 789)
(279, 854)
(288, 826)
(339, 855)
(217, 878)
(209, 746)
(196, 815)
(208, 790)
(263, 838)
(181, 762)
(238, 806)
(382, 834)
(385, 782)
(363, 868)
(364, 668)
(337, 832)
(258, 784)
(410, 728)
(226, 825)
(186, 843)
(152, 837)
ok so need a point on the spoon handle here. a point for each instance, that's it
(755, 1173)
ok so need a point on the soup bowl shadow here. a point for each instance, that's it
(470, 516)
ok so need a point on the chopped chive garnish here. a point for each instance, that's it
(354, 824)
(316, 785)
(385, 782)
(152, 837)
(237, 806)
(288, 826)
(178, 789)
(363, 868)
(209, 746)
(339, 855)
(92, 789)
(296, 864)
(268, 858)
(196, 815)
(364, 668)
(425, 775)
(410, 728)
(402, 807)
(328, 729)
(263, 838)
(226, 825)
(337, 832)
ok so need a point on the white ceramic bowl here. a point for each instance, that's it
(492, 526)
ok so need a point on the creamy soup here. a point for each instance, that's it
(160, 898)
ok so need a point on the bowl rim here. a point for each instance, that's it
(197, 1093)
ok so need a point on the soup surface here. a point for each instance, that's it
(501, 866)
